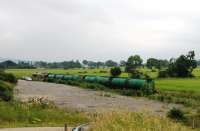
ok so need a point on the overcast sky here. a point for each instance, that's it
(56, 30)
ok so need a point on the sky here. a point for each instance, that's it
(57, 30)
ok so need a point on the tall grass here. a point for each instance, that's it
(129, 121)
(6, 91)
(18, 114)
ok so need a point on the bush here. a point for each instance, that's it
(116, 71)
(136, 74)
(102, 71)
(8, 77)
(73, 83)
(176, 114)
(6, 91)
(153, 70)
(163, 74)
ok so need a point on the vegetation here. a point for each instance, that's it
(155, 63)
(179, 84)
(6, 91)
(8, 77)
(34, 113)
(176, 114)
(116, 71)
(7, 82)
(132, 63)
(181, 67)
(12, 65)
(179, 87)
(125, 120)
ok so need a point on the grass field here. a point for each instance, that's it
(179, 84)
(187, 84)
(99, 72)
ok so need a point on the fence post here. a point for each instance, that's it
(193, 124)
(65, 127)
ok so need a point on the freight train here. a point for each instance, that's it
(113, 82)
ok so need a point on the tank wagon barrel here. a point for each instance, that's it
(90, 79)
(136, 83)
(129, 83)
(76, 77)
(119, 82)
(51, 76)
(103, 80)
(59, 76)
(68, 77)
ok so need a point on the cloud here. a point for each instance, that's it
(98, 30)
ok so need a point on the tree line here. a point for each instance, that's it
(65, 64)
(182, 66)
(179, 67)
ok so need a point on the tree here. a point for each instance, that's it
(198, 62)
(85, 62)
(122, 63)
(116, 71)
(100, 64)
(40, 64)
(182, 66)
(92, 64)
(8, 64)
(111, 63)
(25, 65)
(133, 63)
(152, 62)
(164, 63)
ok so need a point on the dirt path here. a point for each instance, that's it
(85, 100)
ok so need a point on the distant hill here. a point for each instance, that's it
(8, 64)
(7, 59)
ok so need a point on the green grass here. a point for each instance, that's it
(6, 90)
(178, 84)
(99, 72)
(28, 72)
(17, 114)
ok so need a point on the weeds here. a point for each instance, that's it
(129, 121)
(37, 113)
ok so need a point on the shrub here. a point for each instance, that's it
(8, 77)
(73, 83)
(6, 91)
(102, 71)
(116, 71)
(163, 74)
(153, 70)
(176, 114)
(51, 80)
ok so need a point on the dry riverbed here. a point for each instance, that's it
(76, 98)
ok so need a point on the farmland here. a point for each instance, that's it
(179, 84)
